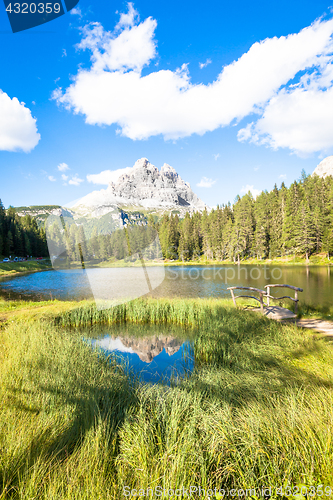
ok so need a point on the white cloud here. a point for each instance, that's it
(57, 93)
(75, 181)
(64, 177)
(108, 176)
(62, 167)
(256, 168)
(51, 178)
(283, 176)
(64, 53)
(113, 90)
(206, 182)
(253, 191)
(216, 156)
(76, 12)
(299, 118)
(18, 130)
(203, 65)
(129, 47)
(130, 18)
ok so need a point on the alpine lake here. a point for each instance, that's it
(165, 353)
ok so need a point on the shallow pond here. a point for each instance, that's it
(179, 281)
(154, 354)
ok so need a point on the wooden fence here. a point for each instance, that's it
(295, 299)
(265, 294)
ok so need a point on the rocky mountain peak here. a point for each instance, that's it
(143, 163)
(168, 171)
(325, 167)
(144, 185)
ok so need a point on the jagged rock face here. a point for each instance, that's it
(325, 167)
(148, 348)
(146, 186)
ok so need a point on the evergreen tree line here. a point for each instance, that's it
(20, 236)
(68, 243)
(284, 221)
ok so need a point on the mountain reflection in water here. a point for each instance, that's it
(155, 358)
(147, 348)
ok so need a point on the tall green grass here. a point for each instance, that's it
(257, 411)
(187, 312)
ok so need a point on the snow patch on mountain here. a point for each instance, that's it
(325, 167)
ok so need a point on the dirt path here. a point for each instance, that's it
(318, 325)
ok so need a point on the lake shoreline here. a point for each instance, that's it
(314, 260)
(14, 269)
(182, 281)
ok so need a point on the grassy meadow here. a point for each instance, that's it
(257, 410)
(316, 259)
(12, 268)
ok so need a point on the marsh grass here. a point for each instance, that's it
(185, 312)
(257, 411)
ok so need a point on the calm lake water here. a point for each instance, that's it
(185, 281)
(154, 354)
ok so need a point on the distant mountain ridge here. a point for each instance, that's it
(141, 190)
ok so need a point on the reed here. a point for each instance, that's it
(187, 312)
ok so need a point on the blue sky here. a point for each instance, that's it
(231, 94)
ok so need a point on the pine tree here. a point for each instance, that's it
(305, 237)
(243, 226)
(261, 237)
(185, 238)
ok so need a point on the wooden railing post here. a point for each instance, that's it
(233, 297)
(268, 294)
(296, 301)
(261, 302)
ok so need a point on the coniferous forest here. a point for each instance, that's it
(285, 221)
(20, 236)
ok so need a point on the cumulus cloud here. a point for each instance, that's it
(51, 178)
(75, 181)
(253, 191)
(299, 117)
(107, 176)
(129, 47)
(283, 176)
(203, 65)
(216, 156)
(114, 91)
(64, 177)
(62, 167)
(18, 130)
(206, 182)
